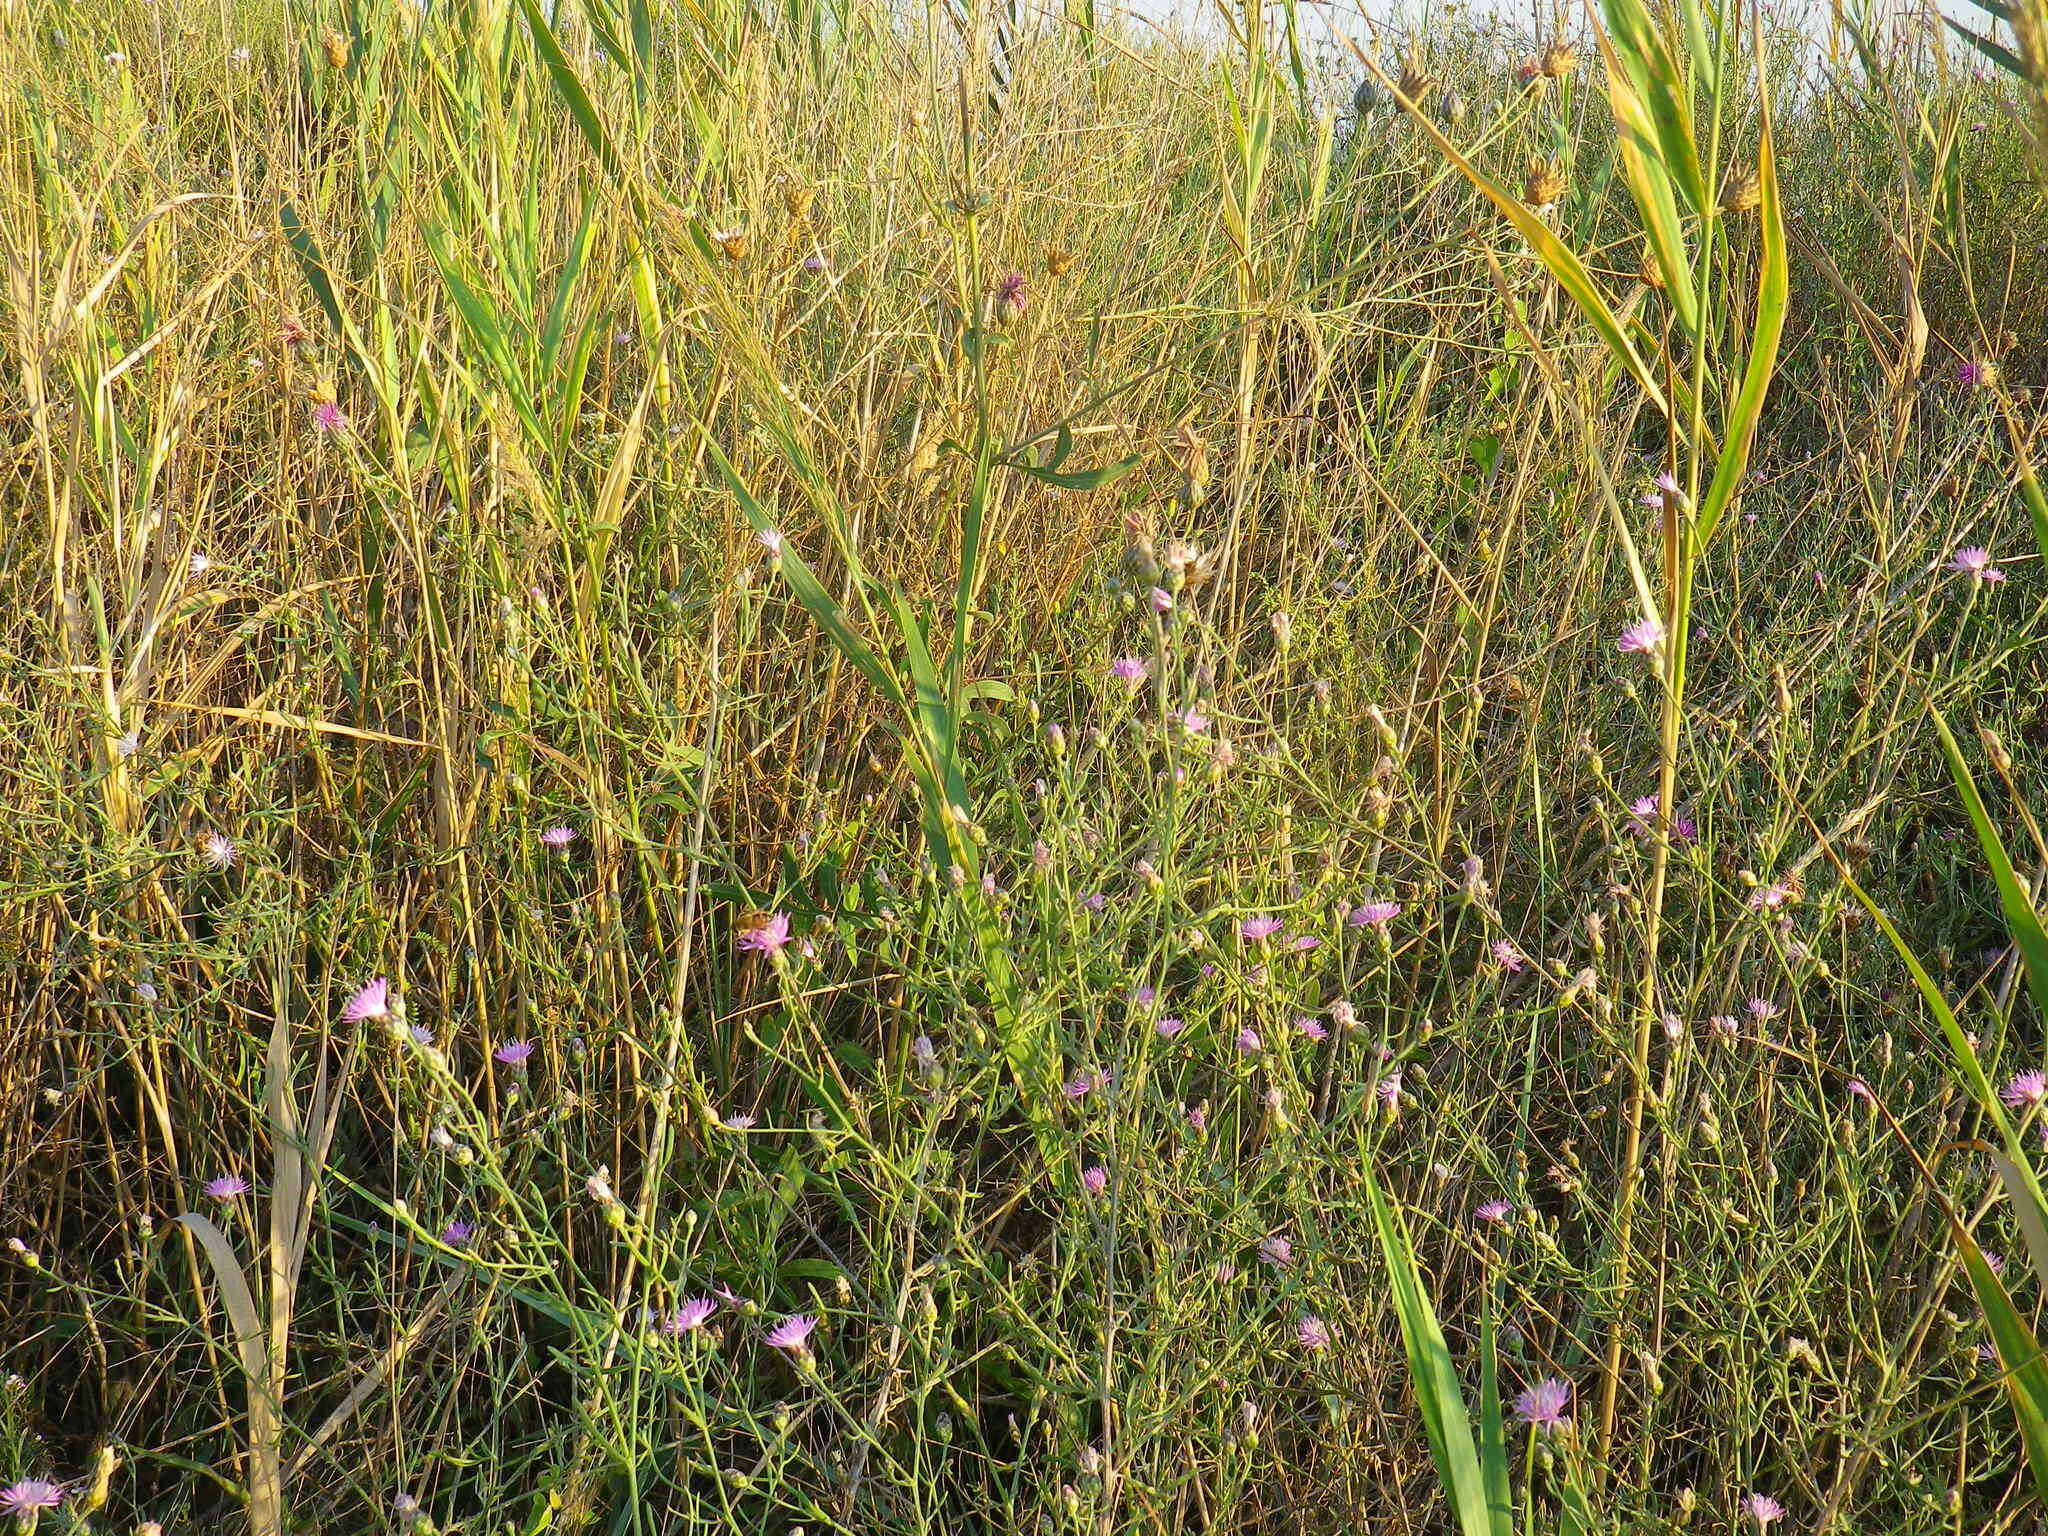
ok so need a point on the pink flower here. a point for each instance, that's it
(793, 1334)
(739, 1122)
(1080, 1085)
(226, 1187)
(1248, 1040)
(1763, 1509)
(31, 1496)
(1256, 928)
(513, 1053)
(1975, 562)
(1506, 956)
(1494, 1212)
(1313, 1333)
(1129, 670)
(690, 1316)
(555, 839)
(768, 936)
(1374, 914)
(2028, 1089)
(1095, 1179)
(1763, 1010)
(1542, 1406)
(1161, 600)
(1311, 1028)
(327, 418)
(1010, 299)
(1276, 1250)
(769, 539)
(1861, 1090)
(458, 1234)
(1168, 1027)
(1198, 1119)
(218, 850)
(1389, 1090)
(1644, 637)
(372, 1001)
(1193, 721)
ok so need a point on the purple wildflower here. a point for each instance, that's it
(513, 1053)
(1542, 1407)
(218, 850)
(31, 1496)
(1645, 637)
(226, 1187)
(1506, 956)
(1161, 600)
(1130, 671)
(1256, 928)
(1975, 562)
(1095, 1179)
(371, 1001)
(1389, 1091)
(768, 936)
(1010, 297)
(1374, 914)
(2028, 1089)
(738, 1122)
(458, 1234)
(793, 1334)
(1859, 1089)
(1276, 1250)
(1168, 1027)
(690, 1316)
(1313, 1333)
(1248, 1040)
(1311, 1028)
(1763, 1509)
(555, 839)
(327, 418)
(1494, 1212)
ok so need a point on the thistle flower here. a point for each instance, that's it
(1255, 928)
(1131, 671)
(31, 1496)
(1168, 1027)
(513, 1053)
(2026, 1090)
(1763, 1010)
(1311, 1028)
(1248, 1040)
(372, 1000)
(1198, 1118)
(1080, 1085)
(1506, 956)
(458, 1234)
(225, 1188)
(1095, 1179)
(1193, 721)
(1494, 1212)
(767, 936)
(1975, 375)
(1313, 1333)
(1975, 562)
(218, 850)
(1542, 1407)
(1010, 296)
(327, 418)
(793, 1334)
(1374, 914)
(1644, 637)
(1763, 1509)
(690, 1316)
(556, 839)
(739, 1122)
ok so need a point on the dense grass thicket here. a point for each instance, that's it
(881, 770)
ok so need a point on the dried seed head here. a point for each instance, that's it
(1416, 83)
(1545, 184)
(1451, 108)
(797, 200)
(1559, 60)
(1744, 192)
(1649, 272)
(1057, 261)
(335, 46)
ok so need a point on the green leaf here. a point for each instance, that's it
(2021, 920)
(1080, 479)
(311, 263)
(1772, 292)
(569, 87)
(2026, 1375)
(1438, 1394)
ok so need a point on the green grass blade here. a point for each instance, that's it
(569, 87)
(1438, 1395)
(2021, 920)
(2026, 1374)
